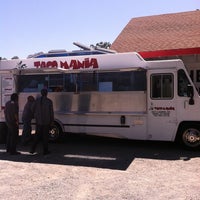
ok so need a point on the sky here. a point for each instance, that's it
(32, 26)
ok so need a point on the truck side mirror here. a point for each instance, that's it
(190, 93)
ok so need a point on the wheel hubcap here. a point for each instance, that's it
(192, 137)
(54, 133)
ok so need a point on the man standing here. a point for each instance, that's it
(27, 116)
(12, 120)
(44, 117)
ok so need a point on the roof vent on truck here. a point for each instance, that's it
(85, 50)
(58, 51)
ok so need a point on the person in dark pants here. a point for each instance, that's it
(44, 117)
(27, 116)
(12, 120)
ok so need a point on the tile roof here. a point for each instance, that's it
(160, 32)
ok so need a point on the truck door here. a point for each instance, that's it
(162, 117)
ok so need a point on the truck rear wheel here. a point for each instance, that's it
(190, 137)
(55, 132)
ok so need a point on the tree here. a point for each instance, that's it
(105, 45)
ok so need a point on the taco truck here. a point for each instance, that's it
(117, 95)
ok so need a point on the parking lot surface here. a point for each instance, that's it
(90, 168)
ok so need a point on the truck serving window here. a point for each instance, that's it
(32, 83)
(162, 86)
(111, 81)
(122, 81)
(84, 82)
(53, 82)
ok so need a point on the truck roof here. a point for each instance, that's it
(164, 64)
(107, 61)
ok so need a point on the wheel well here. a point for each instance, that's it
(59, 124)
(55, 132)
(185, 124)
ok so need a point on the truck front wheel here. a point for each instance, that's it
(55, 132)
(190, 137)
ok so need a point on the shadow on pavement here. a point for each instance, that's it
(100, 152)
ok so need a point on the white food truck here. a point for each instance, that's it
(111, 94)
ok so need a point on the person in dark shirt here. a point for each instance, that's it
(44, 117)
(11, 112)
(27, 116)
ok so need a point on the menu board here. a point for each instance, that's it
(7, 88)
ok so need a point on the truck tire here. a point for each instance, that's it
(3, 133)
(189, 137)
(55, 132)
